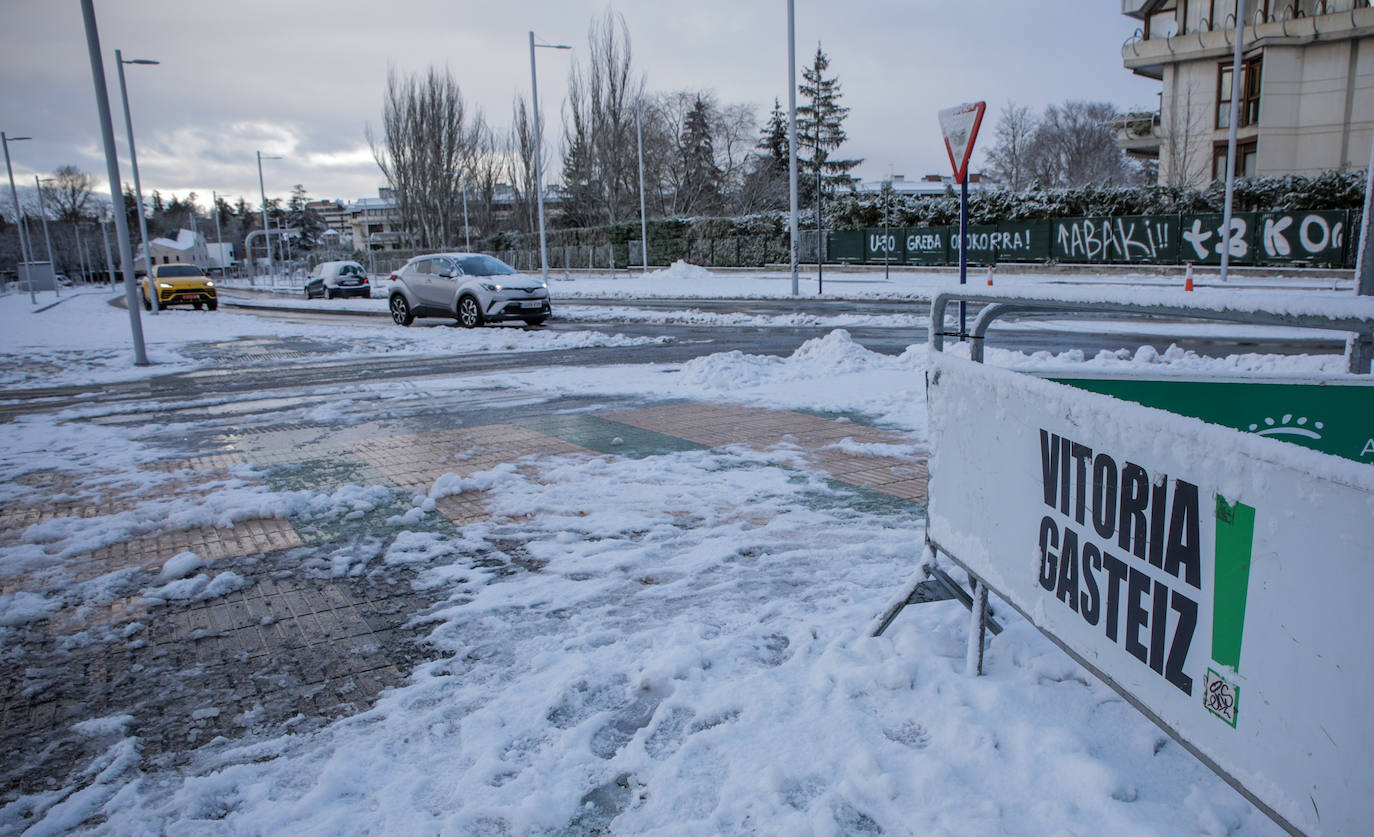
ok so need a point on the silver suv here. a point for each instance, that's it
(470, 287)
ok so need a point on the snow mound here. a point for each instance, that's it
(680, 271)
(179, 566)
(23, 607)
(198, 588)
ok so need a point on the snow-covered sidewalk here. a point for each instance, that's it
(649, 633)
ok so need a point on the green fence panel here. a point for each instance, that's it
(982, 244)
(846, 245)
(1327, 416)
(927, 245)
(1131, 239)
(1023, 241)
(1200, 238)
(1307, 237)
(880, 244)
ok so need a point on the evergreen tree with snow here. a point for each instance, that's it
(701, 177)
(774, 141)
(820, 129)
(307, 224)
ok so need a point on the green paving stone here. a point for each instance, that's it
(600, 434)
(325, 475)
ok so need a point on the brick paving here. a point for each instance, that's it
(294, 645)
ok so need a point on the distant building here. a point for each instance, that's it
(1306, 86)
(930, 184)
(337, 219)
(188, 247)
(376, 223)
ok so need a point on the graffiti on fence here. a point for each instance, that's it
(1199, 235)
(1131, 239)
(1304, 236)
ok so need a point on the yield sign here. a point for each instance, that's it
(960, 124)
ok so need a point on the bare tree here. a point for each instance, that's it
(428, 140)
(599, 169)
(1075, 146)
(1185, 159)
(69, 195)
(520, 167)
(1008, 160)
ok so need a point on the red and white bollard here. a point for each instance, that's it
(1188, 279)
(989, 276)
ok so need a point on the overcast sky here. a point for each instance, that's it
(303, 80)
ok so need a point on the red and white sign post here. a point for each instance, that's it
(960, 126)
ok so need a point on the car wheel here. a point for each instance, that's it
(328, 294)
(400, 311)
(535, 321)
(469, 314)
(309, 295)
(147, 304)
(196, 305)
(212, 304)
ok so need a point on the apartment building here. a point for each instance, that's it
(1306, 86)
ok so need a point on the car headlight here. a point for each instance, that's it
(166, 286)
(209, 283)
(489, 286)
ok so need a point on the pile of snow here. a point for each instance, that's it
(683, 273)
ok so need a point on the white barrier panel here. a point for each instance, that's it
(1217, 579)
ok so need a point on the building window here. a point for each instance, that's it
(1247, 155)
(1250, 73)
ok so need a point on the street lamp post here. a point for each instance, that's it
(138, 188)
(18, 211)
(47, 239)
(262, 192)
(1237, 81)
(643, 222)
(102, 107)
(467, 231)
(538, 157)
(109, 262)
(219, 240)
(794, 243)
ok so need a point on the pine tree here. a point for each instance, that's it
(820, 128)
(774, 142)
(306, 223)
(701, 176)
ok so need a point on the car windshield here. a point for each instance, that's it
(351, 270)
(484, 266)
(178, 270)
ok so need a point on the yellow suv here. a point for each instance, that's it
(180, 284)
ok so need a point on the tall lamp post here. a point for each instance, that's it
(467, 230)
(47, 239)
(262, 192)
(102, 107)
(538, 156)
(794, 243)
(18, 212)
(643, 222)
(138, 189)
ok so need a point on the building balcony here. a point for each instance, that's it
(1138, 133)
(1283, 27)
